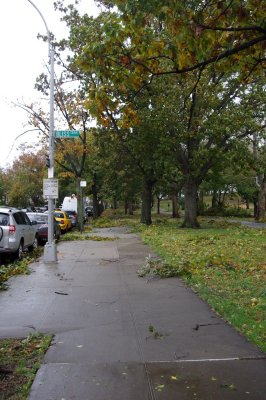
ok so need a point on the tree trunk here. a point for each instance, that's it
(115, 203)
(255, 205)
(260, 209)
(80, 206)
(126, 207)
(146, 203)
(214, 199)
(190, 191)
(200, 203)
(130, 207)
(95, 202)
(260, 214)
(158, 205)
(175, 206)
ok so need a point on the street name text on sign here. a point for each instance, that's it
(50, 188)
(66, 134)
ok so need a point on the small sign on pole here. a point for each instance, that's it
(83, 183)
(50, 188)
(66, 134)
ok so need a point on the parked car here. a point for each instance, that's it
(17, 232)
(29, 209)
(63, 219)
(89, 211)
(71, 204)
(73, 217)
(42, 226)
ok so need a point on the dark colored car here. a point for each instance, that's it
(73, 218)
(42, 226)
(89, 211)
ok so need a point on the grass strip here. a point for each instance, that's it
(20, 359)
(18, 267)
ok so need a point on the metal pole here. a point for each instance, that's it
(50, 251)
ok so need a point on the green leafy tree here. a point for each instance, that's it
(70, 155)
(3, 186)
(134, 41)
(121, 177)
(25, 179)
(125, 48)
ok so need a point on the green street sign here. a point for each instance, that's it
(66, 134)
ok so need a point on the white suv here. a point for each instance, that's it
(17, 232)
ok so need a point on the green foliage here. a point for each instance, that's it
(155, 333)
(25, 179)
(21, 359)
(156, 267)
(193, 119)
(71, 236)
(18, 267)
(153, 38)
(110, 218)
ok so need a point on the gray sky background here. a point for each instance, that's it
(23, 58)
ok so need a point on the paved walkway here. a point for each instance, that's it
(102, 315)
(250, 224)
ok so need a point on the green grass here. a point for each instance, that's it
(225, 263)
(20, 359)
(70, 236)
(17, 267)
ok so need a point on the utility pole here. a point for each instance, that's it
(50, 251)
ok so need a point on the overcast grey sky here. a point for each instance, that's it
(23, 58)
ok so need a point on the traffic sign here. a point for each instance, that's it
(50, 188)
(66, 134)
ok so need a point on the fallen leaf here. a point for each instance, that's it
(159, 388)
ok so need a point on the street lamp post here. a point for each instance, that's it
(50, 251)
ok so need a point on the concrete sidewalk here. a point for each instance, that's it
(101, 313)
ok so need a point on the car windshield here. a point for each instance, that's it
(42, 220)
(59, 215)
(4, 219)
(39, 218)
(70, 213)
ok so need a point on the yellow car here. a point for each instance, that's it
(63, 220)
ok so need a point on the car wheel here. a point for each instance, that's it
(34, 245)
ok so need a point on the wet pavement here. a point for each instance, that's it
(119, 337)
(250, 224)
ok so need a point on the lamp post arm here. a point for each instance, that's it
(46, 26)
